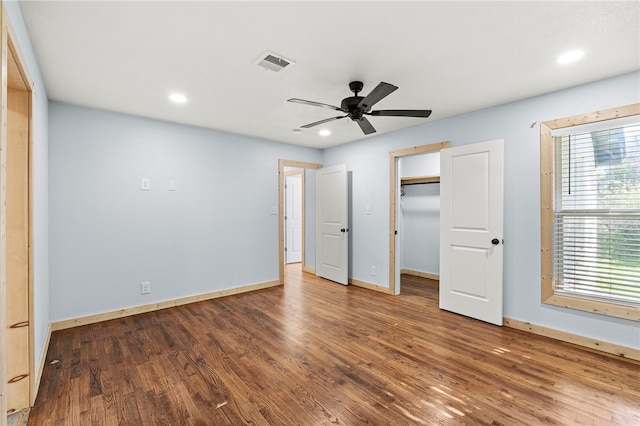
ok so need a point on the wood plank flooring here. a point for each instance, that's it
(314, 352)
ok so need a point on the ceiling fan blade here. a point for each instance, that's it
(326, 120)
(312, 103)
(380, 92)
(366, 126)
(424, 113)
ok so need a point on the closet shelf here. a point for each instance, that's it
(413, 180)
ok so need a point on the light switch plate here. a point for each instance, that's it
(172, 184)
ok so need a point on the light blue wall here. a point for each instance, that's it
(40, 182)
(420, 232)
(214, 232)
(419, 219)
(518, 125)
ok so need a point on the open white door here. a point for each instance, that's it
(471, 230)
(293, 219)
(332, 234)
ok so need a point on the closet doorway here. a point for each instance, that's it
(413, 172)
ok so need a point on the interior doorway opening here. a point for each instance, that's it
(307, 243)
(419, 216)
(395, 202)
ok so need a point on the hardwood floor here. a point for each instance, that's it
(314, 352)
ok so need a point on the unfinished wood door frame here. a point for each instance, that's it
(282, 163)
(16, 132)
(3, 198)
(393, 180)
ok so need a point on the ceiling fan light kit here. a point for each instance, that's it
(356, 107)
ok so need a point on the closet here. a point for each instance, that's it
(420, 215)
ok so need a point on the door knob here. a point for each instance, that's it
(495, 241)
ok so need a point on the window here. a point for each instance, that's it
(590, 199)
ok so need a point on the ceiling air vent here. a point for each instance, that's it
(273, 62)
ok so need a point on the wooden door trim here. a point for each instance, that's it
(393, 178)
(28, 86)
(282, 163)
(3, 213)
(17, 86)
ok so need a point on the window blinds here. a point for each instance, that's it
(597, 214)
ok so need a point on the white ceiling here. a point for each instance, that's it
(451, 57)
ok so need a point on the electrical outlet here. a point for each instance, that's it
(145, 287)
(373, 270)
(145, 184)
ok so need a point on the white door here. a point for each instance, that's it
(471, 214)
(332, 233)
(293, 219)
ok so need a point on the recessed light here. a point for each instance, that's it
(178, 98)
(324, 132)
(569, 57)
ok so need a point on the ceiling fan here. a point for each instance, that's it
(356, 107)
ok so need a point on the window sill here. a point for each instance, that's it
(603, 308)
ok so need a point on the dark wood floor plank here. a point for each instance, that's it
(314, 352)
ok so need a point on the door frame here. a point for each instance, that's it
(393, 205)
(282, 163)
(18, 89)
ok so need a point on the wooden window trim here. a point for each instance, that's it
(546, 215)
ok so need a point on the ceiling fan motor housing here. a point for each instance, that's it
(350, 105)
